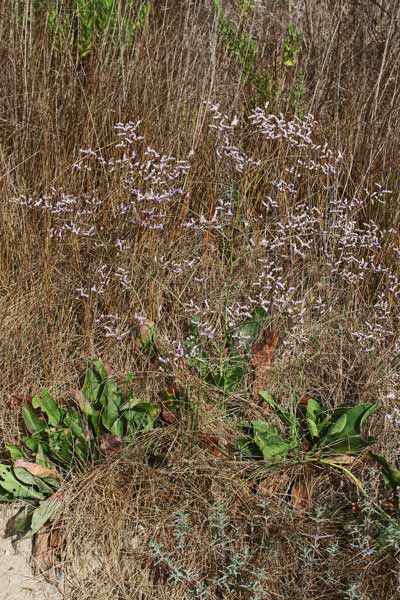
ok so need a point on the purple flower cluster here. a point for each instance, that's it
(304, 244)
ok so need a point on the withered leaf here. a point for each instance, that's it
(45, 548)
(214, 444)
(300, 496)
(168, 416)
(34, 469)
(261, 359)
(18, 399)
(110, 444)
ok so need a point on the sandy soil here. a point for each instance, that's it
(16, 579)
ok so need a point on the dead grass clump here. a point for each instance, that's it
(205, 529)
(137, 531)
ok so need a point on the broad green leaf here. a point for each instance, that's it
(48, 406)
(350, 420)
(96, 423)
(34, 469)
(110, 401)
(93, 383)
(343, 436)
(61, 446)
(10, 484)
(31, 443)
(24, 476)
(269, 440)
(84, 403)
(100, 369)
(313, 412)
(272, 446)
(46, 511)
(229, 376)
(268, 397)
(41, 457)
(337, 426)
(91, 387)
(32, 423)
(19, 524)
(30, 480)
(391, 473)
(131, 403)
(73, 421)
(118, 427)
(370, 409)
(141, 418)
(15, 452)
(263, 427)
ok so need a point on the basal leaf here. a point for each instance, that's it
(84, 403)
(110, 401)
(48, 406)
(32, 423)
(41, 458)
(28, 479)
(313, 413)
(269, 399)
(15, 452)
(45, 512)
(91, 386)
(10, 484)
(269, 440)
(19, 524)
(117, 428)
(272, 446)
(338, 425)
(229, 376)
(100, 368)
(73, 421)
(350, 420)
(391, 472)
(61, 446)
(31, 443)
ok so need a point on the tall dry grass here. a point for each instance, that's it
(55, 103)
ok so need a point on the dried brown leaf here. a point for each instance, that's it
(34, 469)
(46, 546)
(300, 497)
(110, 444)
(18, 399)
(261, 359)
(214, 444)
(167, 415)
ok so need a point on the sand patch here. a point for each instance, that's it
(16, 577)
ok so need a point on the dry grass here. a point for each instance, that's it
(55, 103)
